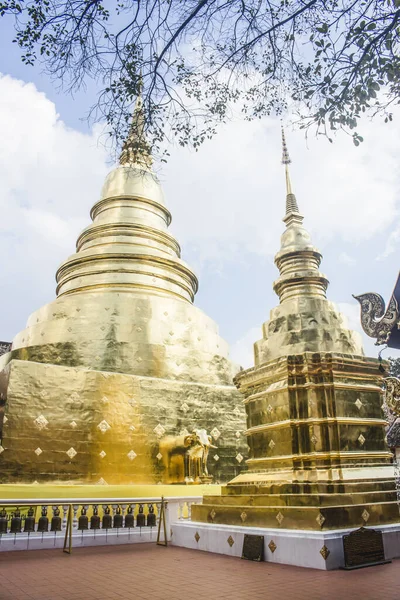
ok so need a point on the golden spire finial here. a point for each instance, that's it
(291, 202)
(135, 149)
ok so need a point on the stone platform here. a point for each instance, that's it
(313, 549)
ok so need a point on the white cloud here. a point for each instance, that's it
(391, 244)
(50, 176)
(242, 351)
(228, 198)
(346, 259)
(351, 311)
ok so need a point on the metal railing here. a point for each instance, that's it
(74, 522)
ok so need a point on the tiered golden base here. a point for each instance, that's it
(314, 506)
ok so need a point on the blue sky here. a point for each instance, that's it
(227, 202)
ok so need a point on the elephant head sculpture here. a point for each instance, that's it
(185, 456)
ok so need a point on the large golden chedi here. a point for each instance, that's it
(318, 457)
(108, 382)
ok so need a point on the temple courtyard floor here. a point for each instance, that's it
(150, 572)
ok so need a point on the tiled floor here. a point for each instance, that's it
(150, 572)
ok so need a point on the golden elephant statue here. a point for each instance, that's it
(185, 457)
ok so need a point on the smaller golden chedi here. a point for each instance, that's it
(318, 456)
(121, 379)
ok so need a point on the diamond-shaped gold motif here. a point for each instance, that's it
(361, 439)
(320, 519)
(279, 517)
(236, 411)
(131, 455)
(243, 516)
(196, 536)
(216, 457)
(230, 541)
(314, 439)
(38, 451)
(159, 430)
(272, 546)
(324, 552)
(5, 419)
(71, 453)
(41, 422)
(103, 426)
(102, 454)
(159, 456)
(104, 399)
(365, 515)
(272, 444)
(184, 407)
(73, 424)
(1, 449)
(239, 457)
(213, 514)
(238, 434)
(269, 409)
(214, 410)
(215, 433)
(358, 403)
(102, 481)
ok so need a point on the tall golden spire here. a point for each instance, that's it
(291, 202)
(297, 260)
(135, 149)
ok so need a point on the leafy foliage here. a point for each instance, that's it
(330, 60)
(394, 368)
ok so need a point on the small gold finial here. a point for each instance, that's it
(135, 149)
(291, 202)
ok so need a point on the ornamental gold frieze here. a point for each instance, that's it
(368, 369)
(316, 421)
(284, 385)
(312, 365)
(332, 454)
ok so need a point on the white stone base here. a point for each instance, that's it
(136, 535)
(293, 547)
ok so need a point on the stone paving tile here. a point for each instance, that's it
(149, 572)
